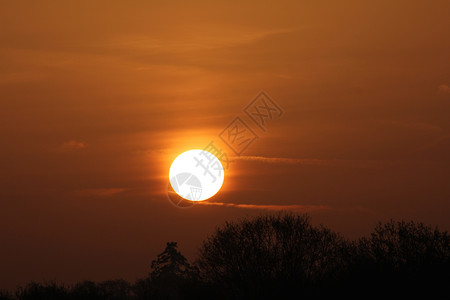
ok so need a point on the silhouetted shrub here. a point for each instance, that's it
(85, 290)
(114, 289)
(5, 295)
(42, 291)
(143, 290)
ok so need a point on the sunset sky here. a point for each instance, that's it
(98, 98)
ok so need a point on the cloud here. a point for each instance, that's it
(73, 145)
(291, 207)
(315, 161)
(444, 89)
(198, 42)
(298, 208)
(282, 160)
(437, 147)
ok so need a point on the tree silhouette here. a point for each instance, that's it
(278, 256)
(406, 258)
(406, 245)
(272, 254)
(172, 277)
(171, 264)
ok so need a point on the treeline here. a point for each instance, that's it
(283, 256)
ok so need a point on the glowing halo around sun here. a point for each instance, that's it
(196, 175)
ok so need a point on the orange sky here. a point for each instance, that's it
(98, 99)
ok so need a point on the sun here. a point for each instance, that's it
(196, 175)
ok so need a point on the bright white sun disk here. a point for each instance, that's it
(196, 175)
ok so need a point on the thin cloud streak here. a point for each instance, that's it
(73, 145)
(193, 43)
(291, 207)
(317, 162)
(444, 89)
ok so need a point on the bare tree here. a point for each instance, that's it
(272, 253)
(406, 258)
(407, 245)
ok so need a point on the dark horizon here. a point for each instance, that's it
(278, 256)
